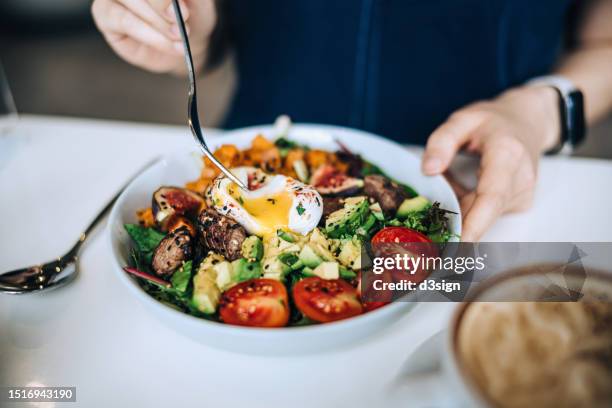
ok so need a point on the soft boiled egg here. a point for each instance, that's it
(274, 202)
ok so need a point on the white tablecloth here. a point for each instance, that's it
(55, 173)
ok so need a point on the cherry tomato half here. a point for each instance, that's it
(394, 240)
(377, 299)
(257, 303)
(326, 300)
(389, 235)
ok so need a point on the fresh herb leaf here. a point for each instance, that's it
(137, 261)
(300, 209)
(372, 169)
(293, 277)
(284, 143)
(172, 297)
(181, 278)
(411, 192)
(145, 239)
(432, 221)
(147, 277)
(304, 321)
(393, 222)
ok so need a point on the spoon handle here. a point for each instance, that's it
(45, 276)
(92, 225)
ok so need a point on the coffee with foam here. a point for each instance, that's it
(539, 354)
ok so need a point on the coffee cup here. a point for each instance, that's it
(515, 335)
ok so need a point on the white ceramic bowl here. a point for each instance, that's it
(178, 168)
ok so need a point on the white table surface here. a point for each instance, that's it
(54, 175)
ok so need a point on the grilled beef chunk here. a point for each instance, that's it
(221, 234)
(178, 221)
(171, 201)
(387, 193)
(172, 252)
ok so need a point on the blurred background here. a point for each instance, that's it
(57, 63)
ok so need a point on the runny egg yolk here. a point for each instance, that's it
(271, 212)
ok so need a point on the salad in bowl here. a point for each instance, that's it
(288, 251)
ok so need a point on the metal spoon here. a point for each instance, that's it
(64, 269)
(193, 117)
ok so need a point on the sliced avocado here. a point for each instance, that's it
(223, 271)
(350, 254)
(210, 261)
(346, 273)
(409, 205)
(347, 220)
(377, 212)
(327, 270)
(252, 248)
(243, 269)
(316, 237)
(322, 246)
(394, 223)
(274, 245)
(287, 236)
(288, 258)
(309, 257)
(273, 268)
(307, 272)
(206, 293)
(366, 225)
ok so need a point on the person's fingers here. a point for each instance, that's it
(160, 6)
(522, 201)
(122, 22)
(466, 202)
(144, 10)
(446, 140)
(142, 55)
(458, 187)
(166, 7)
(493, 193)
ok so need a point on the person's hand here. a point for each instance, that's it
(509, 133)
(145, 32)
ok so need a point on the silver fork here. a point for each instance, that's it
(63, 270)
(193, 117)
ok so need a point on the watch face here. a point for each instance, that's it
(575, 118)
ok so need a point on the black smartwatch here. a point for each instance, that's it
(571, 112)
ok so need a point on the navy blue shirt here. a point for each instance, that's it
(397, 68)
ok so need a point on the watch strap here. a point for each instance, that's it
(571, 112)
